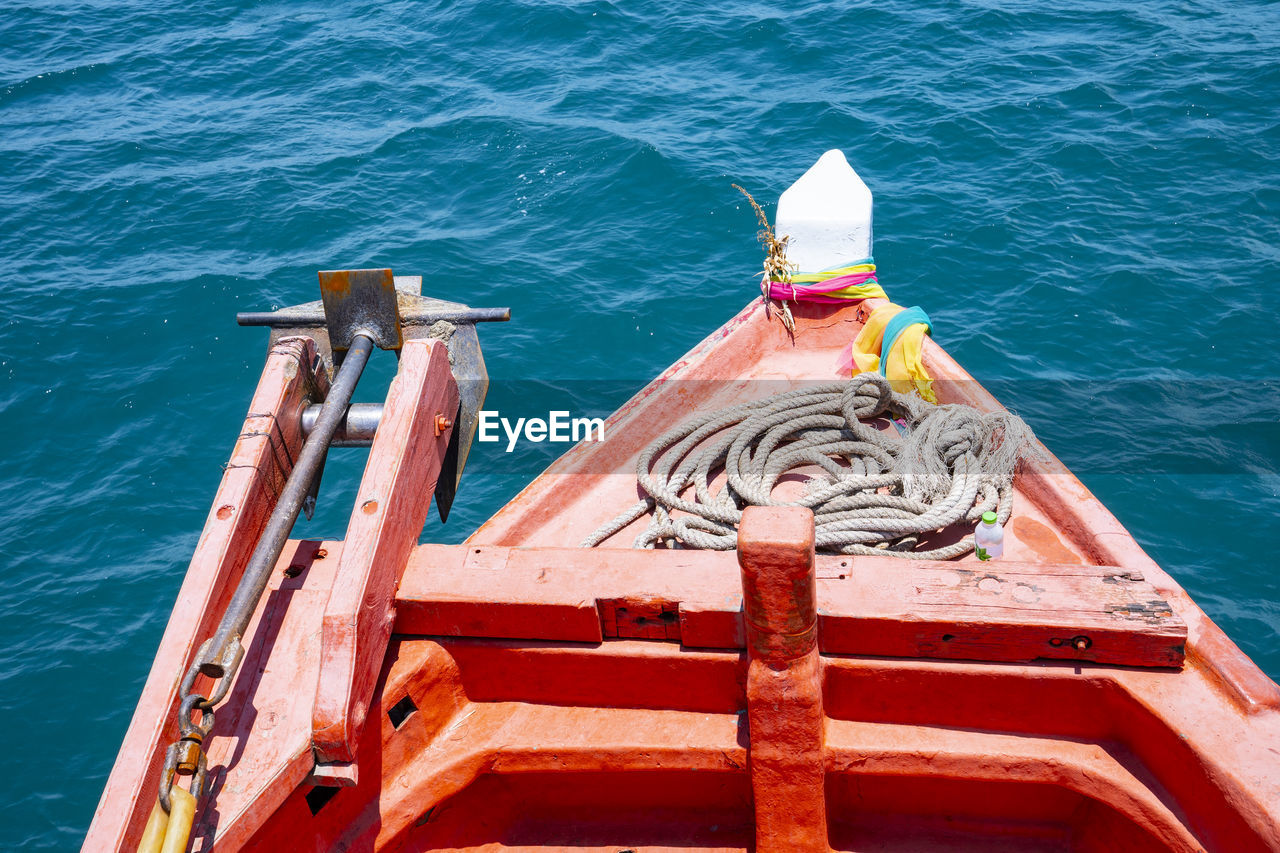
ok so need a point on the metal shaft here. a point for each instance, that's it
(291, 319)
(357, 428)
(225, 650)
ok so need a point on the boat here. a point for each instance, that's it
(519, 691)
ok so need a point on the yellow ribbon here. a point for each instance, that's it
(905, 368)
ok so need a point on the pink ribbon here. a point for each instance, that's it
(815, 292)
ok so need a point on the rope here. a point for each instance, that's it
(878, 496)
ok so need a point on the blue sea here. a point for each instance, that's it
(1084, 197)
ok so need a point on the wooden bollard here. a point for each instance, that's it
(784, 678)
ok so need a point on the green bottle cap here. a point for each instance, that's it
(988, 518)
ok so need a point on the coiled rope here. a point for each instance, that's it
(879, 496)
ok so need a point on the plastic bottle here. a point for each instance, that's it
(988, 538)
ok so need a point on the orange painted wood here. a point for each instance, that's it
(260, 462)
(547, 593)
(779, 581)
(391, 507)
(856, 750)
(260, 747)
(786, 722)
(1002, 611)
(639, 617)
(606, 743)
(1058, 520)
(450, 743)
(504, 729)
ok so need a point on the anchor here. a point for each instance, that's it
(393, 307)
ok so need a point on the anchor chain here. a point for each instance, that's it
(186, 756)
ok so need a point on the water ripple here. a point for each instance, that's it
(1081, 198)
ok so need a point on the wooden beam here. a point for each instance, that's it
(785, 717)
(1000, 611)
(260, 462)
(391, 507)
(260, 750)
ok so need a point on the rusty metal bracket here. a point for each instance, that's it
(467, 363)
(360, 302)
(639, 617)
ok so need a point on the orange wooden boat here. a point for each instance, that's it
(518, 691)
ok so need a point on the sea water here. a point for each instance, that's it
(1098, 185)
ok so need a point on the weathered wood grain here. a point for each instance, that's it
(1002, 611)
(259, 464)
(391, 507)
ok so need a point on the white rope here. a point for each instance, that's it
(878, 495)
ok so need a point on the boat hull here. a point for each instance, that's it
(536, 695)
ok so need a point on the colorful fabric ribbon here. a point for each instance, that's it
(842, 284)
(892, 342)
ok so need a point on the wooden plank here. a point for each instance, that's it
(464, 592)
(391, 507)
(548, 593)
(1004, 611)
(639, 618)
(260, 748)
(260, 462)
(786, 722)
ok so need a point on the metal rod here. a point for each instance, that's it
(356, 429)
(224, 649)
(288, 319)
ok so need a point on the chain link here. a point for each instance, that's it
(186, 756)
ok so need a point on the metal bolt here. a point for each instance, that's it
(442, 424)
